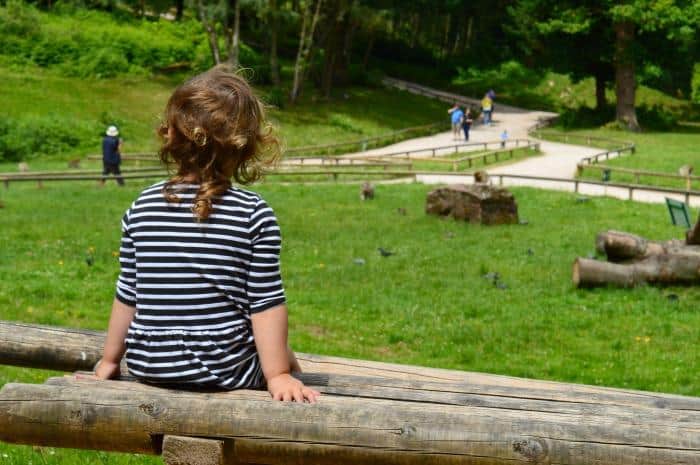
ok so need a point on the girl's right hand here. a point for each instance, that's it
(286, 388)
(106, 370)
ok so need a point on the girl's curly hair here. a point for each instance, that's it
(214, 130)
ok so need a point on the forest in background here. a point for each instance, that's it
(535, 53)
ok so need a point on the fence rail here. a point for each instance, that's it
(637, 174)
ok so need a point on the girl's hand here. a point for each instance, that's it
(286, 388)
(106, 370)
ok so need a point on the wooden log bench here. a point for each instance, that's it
(370, 413)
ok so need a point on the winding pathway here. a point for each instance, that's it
(557, 160)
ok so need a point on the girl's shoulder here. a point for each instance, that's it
(243, 195)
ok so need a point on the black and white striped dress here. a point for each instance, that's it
(196, 284)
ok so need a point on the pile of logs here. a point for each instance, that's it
(370, 412)
(634, 260)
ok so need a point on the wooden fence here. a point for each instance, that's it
(637, 174)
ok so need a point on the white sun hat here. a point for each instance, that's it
(112, 131)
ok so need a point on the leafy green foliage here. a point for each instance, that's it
(92, 44)
(696, 84)
(32, 136)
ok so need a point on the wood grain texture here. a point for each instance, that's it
(125, 416)
(73, 350)
(183, 450)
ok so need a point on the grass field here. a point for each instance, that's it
(429, 304)
(137, 103)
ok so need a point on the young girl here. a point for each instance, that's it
(199, 299)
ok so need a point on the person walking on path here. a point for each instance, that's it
(504, 138)
(111, 155)
(486, 108)
(467, 123)
(457, 116)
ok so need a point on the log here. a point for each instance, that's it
(619, 246)
(681, 267)
(130, 417)
(183, 450)
(67, 349)
(693, 236)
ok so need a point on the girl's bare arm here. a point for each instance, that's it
(119, 321)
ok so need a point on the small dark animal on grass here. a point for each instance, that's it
(384, 253)
(481, 177)
(401, 211)
(75, 163)
(366, 191)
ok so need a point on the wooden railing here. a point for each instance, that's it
(637, 174)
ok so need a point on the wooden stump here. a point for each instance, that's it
(476, 203)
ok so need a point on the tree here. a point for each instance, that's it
(306, 38)
(601, 34)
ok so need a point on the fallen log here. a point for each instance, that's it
(634, 260)
(620, 246)
(666, 269)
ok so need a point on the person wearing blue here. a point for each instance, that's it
(111, 155)
(456, 115)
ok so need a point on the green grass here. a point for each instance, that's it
(428, 305)
(137, 103)
(663, 152)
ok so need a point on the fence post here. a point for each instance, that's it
(576, 187)
(500, 180)
(631, 195)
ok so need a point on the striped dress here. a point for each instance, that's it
(196, 284)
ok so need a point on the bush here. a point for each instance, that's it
(656, 117)
(585, 117)
(276, 97)
(91, 43)
(479, 81)
(31, 136)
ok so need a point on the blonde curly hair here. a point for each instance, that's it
(214, 130)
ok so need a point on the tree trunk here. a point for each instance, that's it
(600, 101)
(211, 32)
(233, 31)
(305, 43)
(274, 62)
(368, 52)
(179, 9)
(470, 29)
(681, 267)
(625, 85)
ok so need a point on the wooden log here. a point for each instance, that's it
(68, 349)
(693, 236)
(682, 267)
(618, 245)
(183, 450)
(121, 416)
